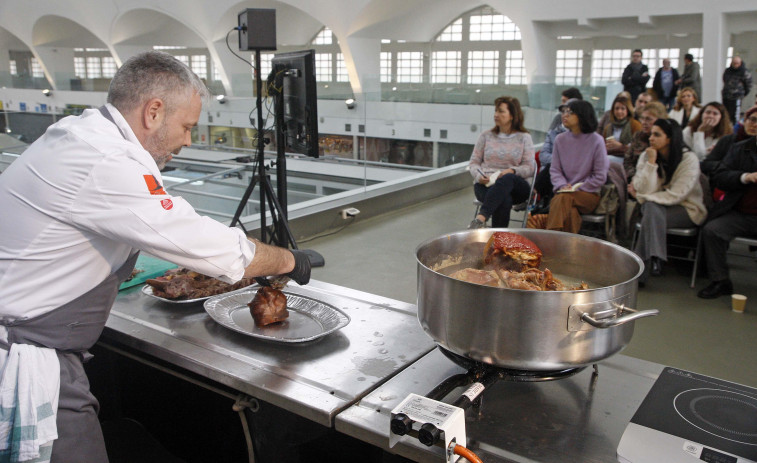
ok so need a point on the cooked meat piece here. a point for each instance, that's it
(180, 284)
(479, 277)
(268, 306)
(509, 251)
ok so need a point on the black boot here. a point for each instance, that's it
(716, 289)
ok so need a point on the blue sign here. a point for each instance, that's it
(22, 106)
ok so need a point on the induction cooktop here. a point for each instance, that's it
(687, 417)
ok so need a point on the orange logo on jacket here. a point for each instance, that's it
(153, 186)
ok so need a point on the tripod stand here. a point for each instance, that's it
(281, 234)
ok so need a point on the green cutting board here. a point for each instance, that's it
(152, 267)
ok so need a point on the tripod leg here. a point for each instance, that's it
(243, 203)
(281, 225)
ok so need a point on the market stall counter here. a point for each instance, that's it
(314, 380)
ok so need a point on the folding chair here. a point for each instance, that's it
(685, 232)
(525, 206)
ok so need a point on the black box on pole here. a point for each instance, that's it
(257, 29)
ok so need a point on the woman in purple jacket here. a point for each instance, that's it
(579, 167)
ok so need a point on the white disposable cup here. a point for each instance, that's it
(738, 301)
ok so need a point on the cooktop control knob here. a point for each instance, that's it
(429, 434)
(401, 424)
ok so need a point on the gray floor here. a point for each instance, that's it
(377, 255)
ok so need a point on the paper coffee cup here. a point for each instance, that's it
(738, 301)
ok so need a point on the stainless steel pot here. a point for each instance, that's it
(531, 330)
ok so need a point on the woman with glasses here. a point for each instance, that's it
(579, 167)
(667, 186)
(686, 108)
(501, 161)
(640, 141)
(711, 123)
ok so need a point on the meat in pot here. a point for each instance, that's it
(511, 261)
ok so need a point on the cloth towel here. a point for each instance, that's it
(29, 390)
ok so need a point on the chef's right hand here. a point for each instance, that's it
(301, 271)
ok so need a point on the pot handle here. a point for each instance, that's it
(609, 323)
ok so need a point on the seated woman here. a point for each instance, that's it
(718, 152)
(579, 167)
(686, 108)
(501, 161)
(620, 129)
(640, 141)
(667, 186)
(709, 125)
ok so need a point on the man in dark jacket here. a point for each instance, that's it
(635, 76)
(691, 76)
(735, 215)
(737, 81)
(665, 85)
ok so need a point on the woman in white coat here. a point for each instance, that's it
(686, 108)
(666, 185)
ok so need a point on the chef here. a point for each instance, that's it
(79, 205)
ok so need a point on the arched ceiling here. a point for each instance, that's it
(145, 27)
(56, 31)
(9, 41)
(398, 19)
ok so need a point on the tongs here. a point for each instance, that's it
(277, 282)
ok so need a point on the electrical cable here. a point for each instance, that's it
(467, 454)
(232, 51)
(349, 222)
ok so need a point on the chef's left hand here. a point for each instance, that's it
(301, 271)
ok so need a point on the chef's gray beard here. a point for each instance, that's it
(157, 146)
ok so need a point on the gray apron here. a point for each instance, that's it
(71, 330)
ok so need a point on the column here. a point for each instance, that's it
(715, 40)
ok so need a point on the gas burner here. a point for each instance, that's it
(508, 374)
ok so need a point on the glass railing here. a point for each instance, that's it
(394, 134)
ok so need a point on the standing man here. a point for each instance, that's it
(665, 84)
(737, 81)
(635, 76)
(692, 76)
(80, 204)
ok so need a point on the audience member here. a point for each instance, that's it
(737, 82)
(746, 130)
(665, 85)
(635, 76)
(667, 186)
(579, 167)
(501, 161)
(640, 141)
(566, 95)
(735, 215)
(605, 119)
(706, 128)
(691, 76)
(619, 132)
(643, 99)
(686, 108)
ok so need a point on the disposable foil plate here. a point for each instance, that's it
(309, 319)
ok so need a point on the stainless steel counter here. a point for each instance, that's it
(566, 420)
(315, 380)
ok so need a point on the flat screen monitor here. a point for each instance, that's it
(294, 79)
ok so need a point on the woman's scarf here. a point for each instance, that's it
(625, 134)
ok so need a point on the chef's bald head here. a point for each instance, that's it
(153, 74)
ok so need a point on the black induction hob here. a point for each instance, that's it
(688, 415)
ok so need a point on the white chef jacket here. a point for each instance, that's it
(80, 200)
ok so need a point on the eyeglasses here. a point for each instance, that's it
(567, 112)
(751, 120)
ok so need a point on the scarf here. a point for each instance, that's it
(625, 134)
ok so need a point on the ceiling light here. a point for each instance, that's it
(350, 102)
(221, 99)
(47, 92)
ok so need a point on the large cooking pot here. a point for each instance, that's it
(530, 330)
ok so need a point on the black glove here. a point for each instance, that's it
(301, 271)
